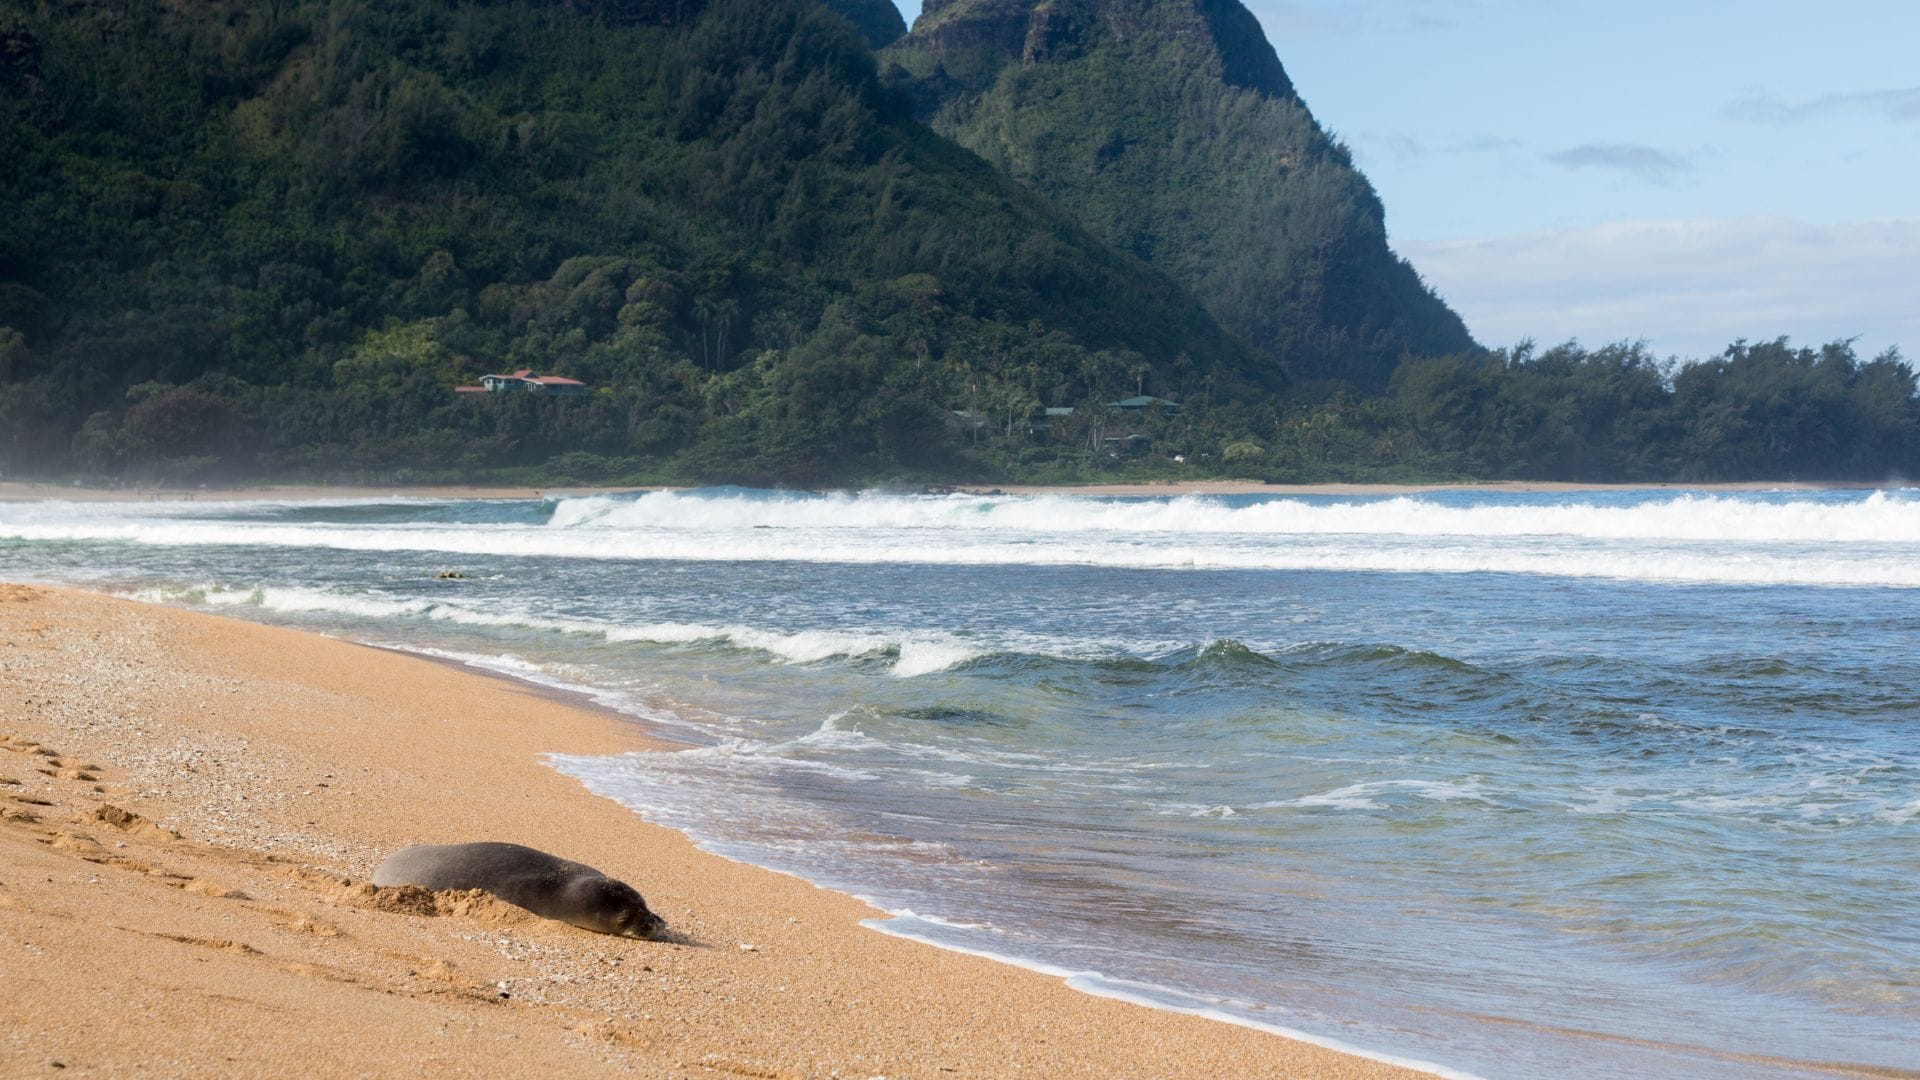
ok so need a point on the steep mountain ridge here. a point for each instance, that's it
(1172, 131)
(248, 237)
(1040, 30)
(877, 20)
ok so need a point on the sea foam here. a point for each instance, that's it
(1866, 541)
(905, 923)
(913, 653)
(1877, 517)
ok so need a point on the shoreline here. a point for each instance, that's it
(1515, 487)
(25, 491)
(189, 800)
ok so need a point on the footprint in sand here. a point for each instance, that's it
(299, 922)
(79, 843)
(203, 887)
(431, 968)
(133, 824)
(218, 944)
(18, 813)
(613, 1031)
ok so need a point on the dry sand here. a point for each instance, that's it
(188, 808)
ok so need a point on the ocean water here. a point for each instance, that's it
(1541, 785)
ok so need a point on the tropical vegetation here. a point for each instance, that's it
(268, 240)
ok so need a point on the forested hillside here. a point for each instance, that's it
(250, 241)
(245, 238)
(1170, 129)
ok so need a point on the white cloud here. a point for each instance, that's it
(1689, 287)
(1901, 106)
(1651, 164)
(1411, 148)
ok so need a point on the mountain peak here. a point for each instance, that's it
(1171, 131)
(984, 34)
(877, 20)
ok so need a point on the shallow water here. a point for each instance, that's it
(1520, 785)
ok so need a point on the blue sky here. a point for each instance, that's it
(1681, 172)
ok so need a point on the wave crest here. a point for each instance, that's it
(1878, 517)
(1825, 539)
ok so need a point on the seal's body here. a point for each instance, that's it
(544, 884)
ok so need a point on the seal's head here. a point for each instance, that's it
(617, 908)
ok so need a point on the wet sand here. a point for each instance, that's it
(189, 809)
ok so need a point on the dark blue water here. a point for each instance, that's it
(1540, 785)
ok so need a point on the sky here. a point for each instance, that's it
(1679, 172)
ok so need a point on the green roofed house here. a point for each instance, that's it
(1040, 421)
(1145, 401)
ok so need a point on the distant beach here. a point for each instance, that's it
(1518, 487)
(23, 491)
(18, 491)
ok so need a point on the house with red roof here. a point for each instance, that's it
(525, 381)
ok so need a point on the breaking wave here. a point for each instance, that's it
(1851, 540)
(911, 653)
(1874, 518)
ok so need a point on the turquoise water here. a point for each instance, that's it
(1612, 784)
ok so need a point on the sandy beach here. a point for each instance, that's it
(26, 491)
(1518, 487)
(190, 807)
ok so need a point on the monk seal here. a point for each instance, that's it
(544, 884)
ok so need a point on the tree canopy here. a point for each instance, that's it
(268, 240)
(323, 214)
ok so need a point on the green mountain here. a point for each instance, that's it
(247, 238)
(1170, 129)
(878, 21)
(250, 240)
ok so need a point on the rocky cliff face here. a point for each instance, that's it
(1042, 30)
(1171, 130)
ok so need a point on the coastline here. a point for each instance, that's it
(25, 491)
(188, 804)
(1516, 487)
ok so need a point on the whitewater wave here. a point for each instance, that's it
(1868, 541)
(913, 654)
(1741, 566)
(1366, 795)
(1875, 518)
